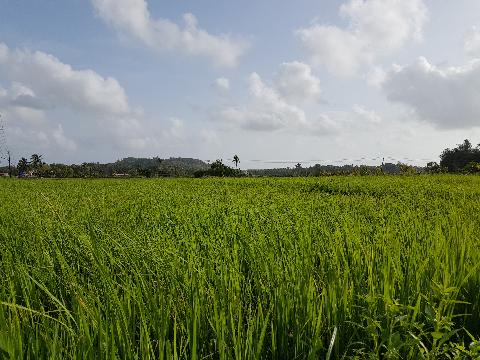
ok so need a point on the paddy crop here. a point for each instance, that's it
(352, 267)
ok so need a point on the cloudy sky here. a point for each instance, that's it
(315, 81)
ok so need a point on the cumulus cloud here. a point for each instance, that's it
(222, 86)
(40, 78)
(358, 118)
(296, 82)
(61, 140)
(376, 27)
(40, 83)
(375, 77)
(472, 42)
(26, 136)
(364, 115)
(270, 108)
(20, 102)
(132, 18)
(446, 97)
(267, 110)
(176, 129)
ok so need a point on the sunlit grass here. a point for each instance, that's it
(377, 267)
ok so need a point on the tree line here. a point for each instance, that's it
(464, 158)
(127, 167)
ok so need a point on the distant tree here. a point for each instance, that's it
(298, 166)
(36, 160)
(22, 165)
(148, 172)
(36, 163)
(390, 168)
(456, 159)
(465, 146)
(236, 160)
(218, 168)
(433, 167)
(86, 170)
(406, 169)
(472, 167)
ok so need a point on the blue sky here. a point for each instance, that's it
(310, 81)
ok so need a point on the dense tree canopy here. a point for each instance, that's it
(461, 158)
(464, 158)
(144, 167)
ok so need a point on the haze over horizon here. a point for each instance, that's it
(326, 81)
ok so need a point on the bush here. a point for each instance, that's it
(219, 169)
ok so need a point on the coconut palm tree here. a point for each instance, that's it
(36, 160)
(236, 160)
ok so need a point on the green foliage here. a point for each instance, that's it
(236, 160)
(457, 159)
(23, 165)
(133, 167)
(406, 169)
(435, 168)
(304, 268)
(36, 161)
(219, 169)
(472, 167)
(330, 170)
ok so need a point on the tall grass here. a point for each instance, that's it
(371, 267)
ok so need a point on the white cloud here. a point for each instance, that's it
(62, 141)
(472, 42)
(37, 75)
(375, 77)
(132, 18)
(19, 102)
(40, 83)
(376, 27)
(222, 86)
(338, 50)
(137, 143)
(445, 97)
(295, 82)
(268, 110)
(364, 115)
(27, 136)
(176, 129)
(339, 122)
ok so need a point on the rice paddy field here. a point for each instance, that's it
(304, 268)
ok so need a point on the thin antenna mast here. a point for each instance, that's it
(4, 152)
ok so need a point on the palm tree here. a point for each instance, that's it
(36, 160)
(236, 160)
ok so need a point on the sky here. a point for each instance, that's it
(274, 81)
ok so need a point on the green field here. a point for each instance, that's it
(378, 267)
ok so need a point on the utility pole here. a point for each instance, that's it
(9, 165)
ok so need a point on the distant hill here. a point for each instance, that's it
(189, 164)
(158, 167)
(129, 167)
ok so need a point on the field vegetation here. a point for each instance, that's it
(301, 268)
